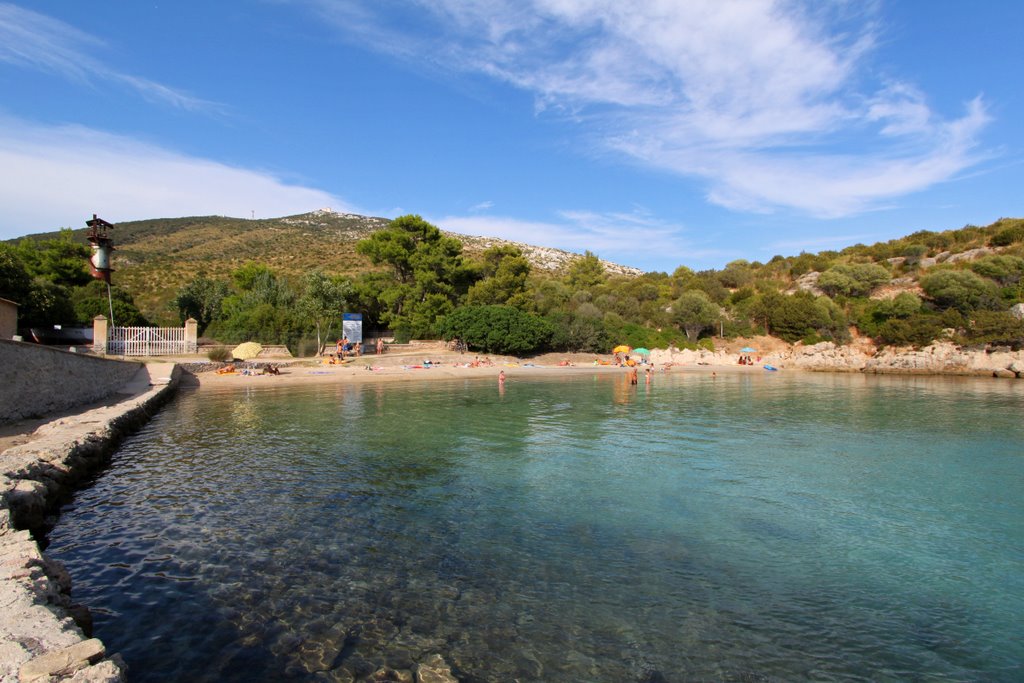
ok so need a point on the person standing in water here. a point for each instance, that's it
(501, 378)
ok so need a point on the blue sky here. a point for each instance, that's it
(655, 134)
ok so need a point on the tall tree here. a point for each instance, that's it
(201, 299)
(505, 272)
(586, 271)
(323, 299)
(694, 312)
(428, 274)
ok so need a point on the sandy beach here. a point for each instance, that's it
(412, 367)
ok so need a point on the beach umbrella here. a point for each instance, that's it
(747, 349)
(246, 351)
(621, 348)
(642, 351)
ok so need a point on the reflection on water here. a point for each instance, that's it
(744, 527)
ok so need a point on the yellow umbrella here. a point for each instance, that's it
(621, 348)
(246, 351)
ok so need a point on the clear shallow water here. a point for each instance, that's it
(749, 527)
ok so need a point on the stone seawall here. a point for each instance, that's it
(44, 636)
(39, 380)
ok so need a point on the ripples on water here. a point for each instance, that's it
(738, 528)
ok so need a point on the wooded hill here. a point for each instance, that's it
(155, 258)
(278, 281)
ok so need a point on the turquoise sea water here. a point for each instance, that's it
(739, 528)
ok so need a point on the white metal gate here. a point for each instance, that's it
(147, 341)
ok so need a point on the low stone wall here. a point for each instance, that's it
(40, 380)
(44, 636)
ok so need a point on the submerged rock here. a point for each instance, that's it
(434, 670)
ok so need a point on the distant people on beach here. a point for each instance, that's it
(380, 345)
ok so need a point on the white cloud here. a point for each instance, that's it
(636, 238)
(35, 41)
(54, 177)
(764, 101)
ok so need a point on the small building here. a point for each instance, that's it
(8, 319)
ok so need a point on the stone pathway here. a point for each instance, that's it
(44, 635)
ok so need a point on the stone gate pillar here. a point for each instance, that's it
(191, 336)
(99, 334)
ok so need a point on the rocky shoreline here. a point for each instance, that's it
(941, 358)
(44, 635)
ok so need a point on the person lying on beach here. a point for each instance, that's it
(226, 370)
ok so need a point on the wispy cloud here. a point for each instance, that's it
(769, 103)
(57, 176)
(635, 238)
(34, 41)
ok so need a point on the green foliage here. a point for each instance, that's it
(201, 299)
(1006, 270)
(578, 333)
(48, 304)
(637, 336)
(959, 289)
(707, 281)
(693, 312)
(91, 300)
(919, 329)
(252, 275)
(736, 274)
(585, 272)
(706, 343)
(995, 327)
(60, 260)
(498, 329)
(505, 273)
(262, 322)
(15, 280)
(794, 317)
(1009, 232)
(852, 279)
(323, 301)
(872, 314)
(428, 275)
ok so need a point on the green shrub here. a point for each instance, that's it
(706, 343)
(498, 329)
(960, 289)
(219, 354)
(1014, 232)
(918, 330)
(995, 327)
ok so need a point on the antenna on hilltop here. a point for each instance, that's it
(254, 214)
